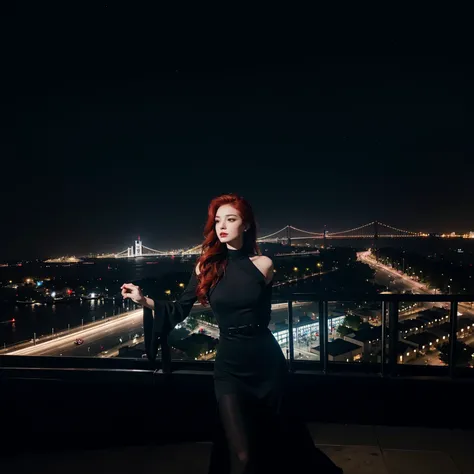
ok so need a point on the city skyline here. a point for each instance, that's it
(98, 244)
(110, 146)
(298, 236)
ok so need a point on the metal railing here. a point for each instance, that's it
(389, 304)
(388, 366)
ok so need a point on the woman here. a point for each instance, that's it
(250, 371)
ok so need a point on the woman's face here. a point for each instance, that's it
(229, 224)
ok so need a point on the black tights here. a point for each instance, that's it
(235, 415)
(242, 441)
(234, 447)
(252, 440)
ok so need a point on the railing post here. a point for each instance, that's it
(165, 355)
(323, 348)
(325, 335)
(290, 337)
(453, 338)
(393, 338)
(383, 352)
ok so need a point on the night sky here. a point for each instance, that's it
(120, 127)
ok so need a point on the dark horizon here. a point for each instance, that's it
(429, 243)
(112, 138)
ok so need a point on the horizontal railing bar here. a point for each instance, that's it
(386, 297)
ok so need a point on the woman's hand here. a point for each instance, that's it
(133, 292)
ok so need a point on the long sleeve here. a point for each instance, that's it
(167, 315)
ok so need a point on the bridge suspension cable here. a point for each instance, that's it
(399, 230)
(137, 250)
(352, 230)
(306, 231)
(153, 250)
(270, 235)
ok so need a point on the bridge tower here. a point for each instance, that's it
(138, 247)
(129, 251)
(288, 234)
(325, 238)
(376, 240)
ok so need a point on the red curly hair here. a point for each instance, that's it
(212, 261)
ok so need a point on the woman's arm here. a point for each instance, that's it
(160, 317)
(147, 303)
(175, 311)
(167, 314)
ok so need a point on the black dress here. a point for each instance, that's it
(250, 375)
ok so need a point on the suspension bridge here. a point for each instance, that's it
(287, 235)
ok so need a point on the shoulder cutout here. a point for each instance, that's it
(265, 265)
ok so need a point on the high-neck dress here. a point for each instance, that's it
(251, 365)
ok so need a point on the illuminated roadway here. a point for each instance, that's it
(431, 358)
(96, 339)
(411, 284)
(103, 337)
(368, 258)
(106, 334)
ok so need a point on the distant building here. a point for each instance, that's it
(424, 341)
(340, 350)
(405, 352)
(197, 346)
(465, 326)
(433, 317)
(368, 314)
(441, 333)
(369, 337)
(304, 328)
(410, 326)
(137, 351)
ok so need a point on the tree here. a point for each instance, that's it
(343, 330)
(352, 322)
(192, 323)
(463, 354)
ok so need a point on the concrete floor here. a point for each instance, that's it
(358, 449)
